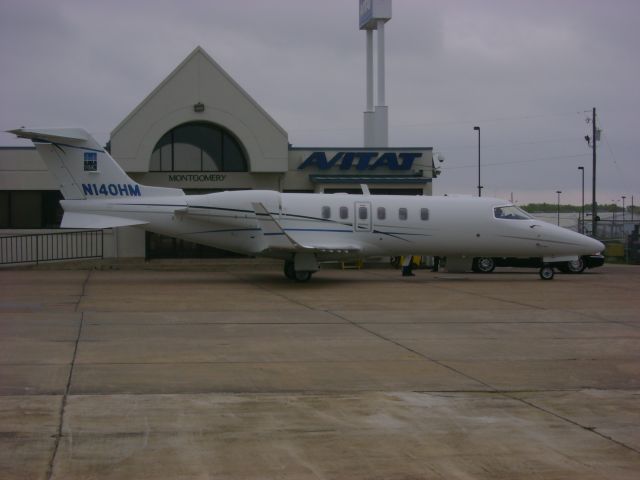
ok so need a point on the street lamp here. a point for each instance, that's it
(615, 207)
(558, 192)
(582, 207)
(479, 184)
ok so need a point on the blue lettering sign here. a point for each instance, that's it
(388, 160)
(347, 161)
(112, 189)
(407, 160)
(365, 158)
(317, 159)
(361, 160)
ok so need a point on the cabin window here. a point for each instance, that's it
(363, 213)
(326, 212)
(402, 214)
(382, 213)
(510, 212)
(344, 212)
(424, 214)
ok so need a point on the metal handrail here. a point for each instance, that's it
(49, 247)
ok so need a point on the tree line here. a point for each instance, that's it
(553, 208)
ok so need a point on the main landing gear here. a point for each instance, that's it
(546, 272)
(292, 274)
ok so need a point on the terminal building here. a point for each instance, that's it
(200, 131)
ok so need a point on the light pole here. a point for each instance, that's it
(582, 207)
(558, 192)
(623, 199)
(615, 207)
(479, 183)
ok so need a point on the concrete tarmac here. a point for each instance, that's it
(238, 373)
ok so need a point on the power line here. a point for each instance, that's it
(443, 123)
(543, 159)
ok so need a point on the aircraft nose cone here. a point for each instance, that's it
(598, 245)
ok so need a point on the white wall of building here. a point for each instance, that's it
(272, 164)
(199, 79)
(21, 168)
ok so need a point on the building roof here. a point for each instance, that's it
(197, 51)
(369, 179)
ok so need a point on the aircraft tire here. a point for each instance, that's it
(289, 270)
(301, 276)
(577, 266)
(484, 265)
(546, 272)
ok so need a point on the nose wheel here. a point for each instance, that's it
(546, 272)
(297, 275)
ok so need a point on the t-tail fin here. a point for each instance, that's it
(83, 169)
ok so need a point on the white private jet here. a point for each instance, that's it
(301, 229)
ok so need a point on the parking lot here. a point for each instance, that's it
(234, 372)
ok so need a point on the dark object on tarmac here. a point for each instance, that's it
(488, 264)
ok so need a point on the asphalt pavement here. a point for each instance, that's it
(234, 372)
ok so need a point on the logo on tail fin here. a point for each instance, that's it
(90, 162)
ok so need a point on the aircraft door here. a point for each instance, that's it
(362, 217)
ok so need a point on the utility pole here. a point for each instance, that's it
(582, 207)
(477, 129)
(594, 205)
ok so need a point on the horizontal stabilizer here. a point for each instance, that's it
(92, 220)
(52, 134)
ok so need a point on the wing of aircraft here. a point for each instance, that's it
(90, 220)
(278, 239)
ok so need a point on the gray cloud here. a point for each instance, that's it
(526, 71)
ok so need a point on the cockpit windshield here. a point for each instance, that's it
(510, 212)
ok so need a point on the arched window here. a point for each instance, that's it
(198, 147)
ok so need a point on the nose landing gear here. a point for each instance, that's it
(298, 275)
(546, 272)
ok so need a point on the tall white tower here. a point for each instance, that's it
(373, 15)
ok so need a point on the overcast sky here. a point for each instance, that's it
(527, 72)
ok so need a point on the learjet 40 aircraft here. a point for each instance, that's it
(302, 229)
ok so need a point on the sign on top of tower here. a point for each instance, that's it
(371, 11)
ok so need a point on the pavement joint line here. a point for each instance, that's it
(170, 324)
(63, 405)
(521, 304)
(600, 318)
(320, 362)
(329, 393)
(65, 397)
(448, 367)
(572, 422)
(415, 352)
(491, 297)
(274, 292)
